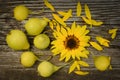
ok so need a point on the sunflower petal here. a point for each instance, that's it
(49, 5)
(51, 25)
(81, 54)
(68, 56)
(62, 13)
(96, 46)
(58, 19)
(113, 32)
(81, 72)
(73, 26)
(87, 12)
(78, 9)
(68, 15)
(73, 66)
(83, 63)
(46, 19)
(96, 23)
(87, 20)
(102, 41)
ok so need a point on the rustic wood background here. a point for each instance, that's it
(107, 11)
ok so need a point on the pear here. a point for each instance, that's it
(21, 12)
(35, 26)
(28, 59)
(102, 63)
(41, 41)
(46, 69)
(17, 40)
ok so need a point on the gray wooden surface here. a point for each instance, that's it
(107, 11)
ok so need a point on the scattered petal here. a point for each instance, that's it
(86, 20)
(97, 23)
(46, 19)
(81, 72)
(79, 9)
(83, 63)
(49, 5)
(73, 66)
(96, 46)
(113, 32)
(58, 19)
(62, 13)
(67, 15)
(103, 41)
(87, 12)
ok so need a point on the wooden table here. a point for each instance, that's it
(107, 11)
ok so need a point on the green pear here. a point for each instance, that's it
(102, 62)
(41, 41)
(17, 40)
(35, 26)
(28, 59)
(46, 69)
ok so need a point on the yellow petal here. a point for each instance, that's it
(46, 19)
(113, 35)
(49, 5)
(51, 25)
(83, 63)
(62, 13)
(73, 66)
(96, 46)
(87, 12)
(86, 20)
(96, 23)
(68, 15)
(79, 9)
(58, 19)
(58, 27)
(81, 54)
(102, 41)
(113, 32)
(81, 72)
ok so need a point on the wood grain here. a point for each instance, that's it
(107, 11)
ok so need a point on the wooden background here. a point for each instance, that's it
(107, 11)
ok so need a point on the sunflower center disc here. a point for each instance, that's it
(71, 42)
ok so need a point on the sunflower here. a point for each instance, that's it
(71, 42)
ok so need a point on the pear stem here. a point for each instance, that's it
(49, 58)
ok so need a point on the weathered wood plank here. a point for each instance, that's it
(104, 10)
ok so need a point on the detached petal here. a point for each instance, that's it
(83, 63)
(81, 72)
(103, 41)
(97, 23)
(49, 5)
(62, 13)
(86, 20)
(87, 12)
(113, 32)
(67, 15)
(58, 19)
(73, 66)
(78, 9)
(96, 46)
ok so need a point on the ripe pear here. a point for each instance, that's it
(28, 59)
(46, 69)
(21, 12)
(35, 26)
(41, 41)
(17, 40)
(102, 63)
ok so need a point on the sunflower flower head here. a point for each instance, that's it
(71, 42)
